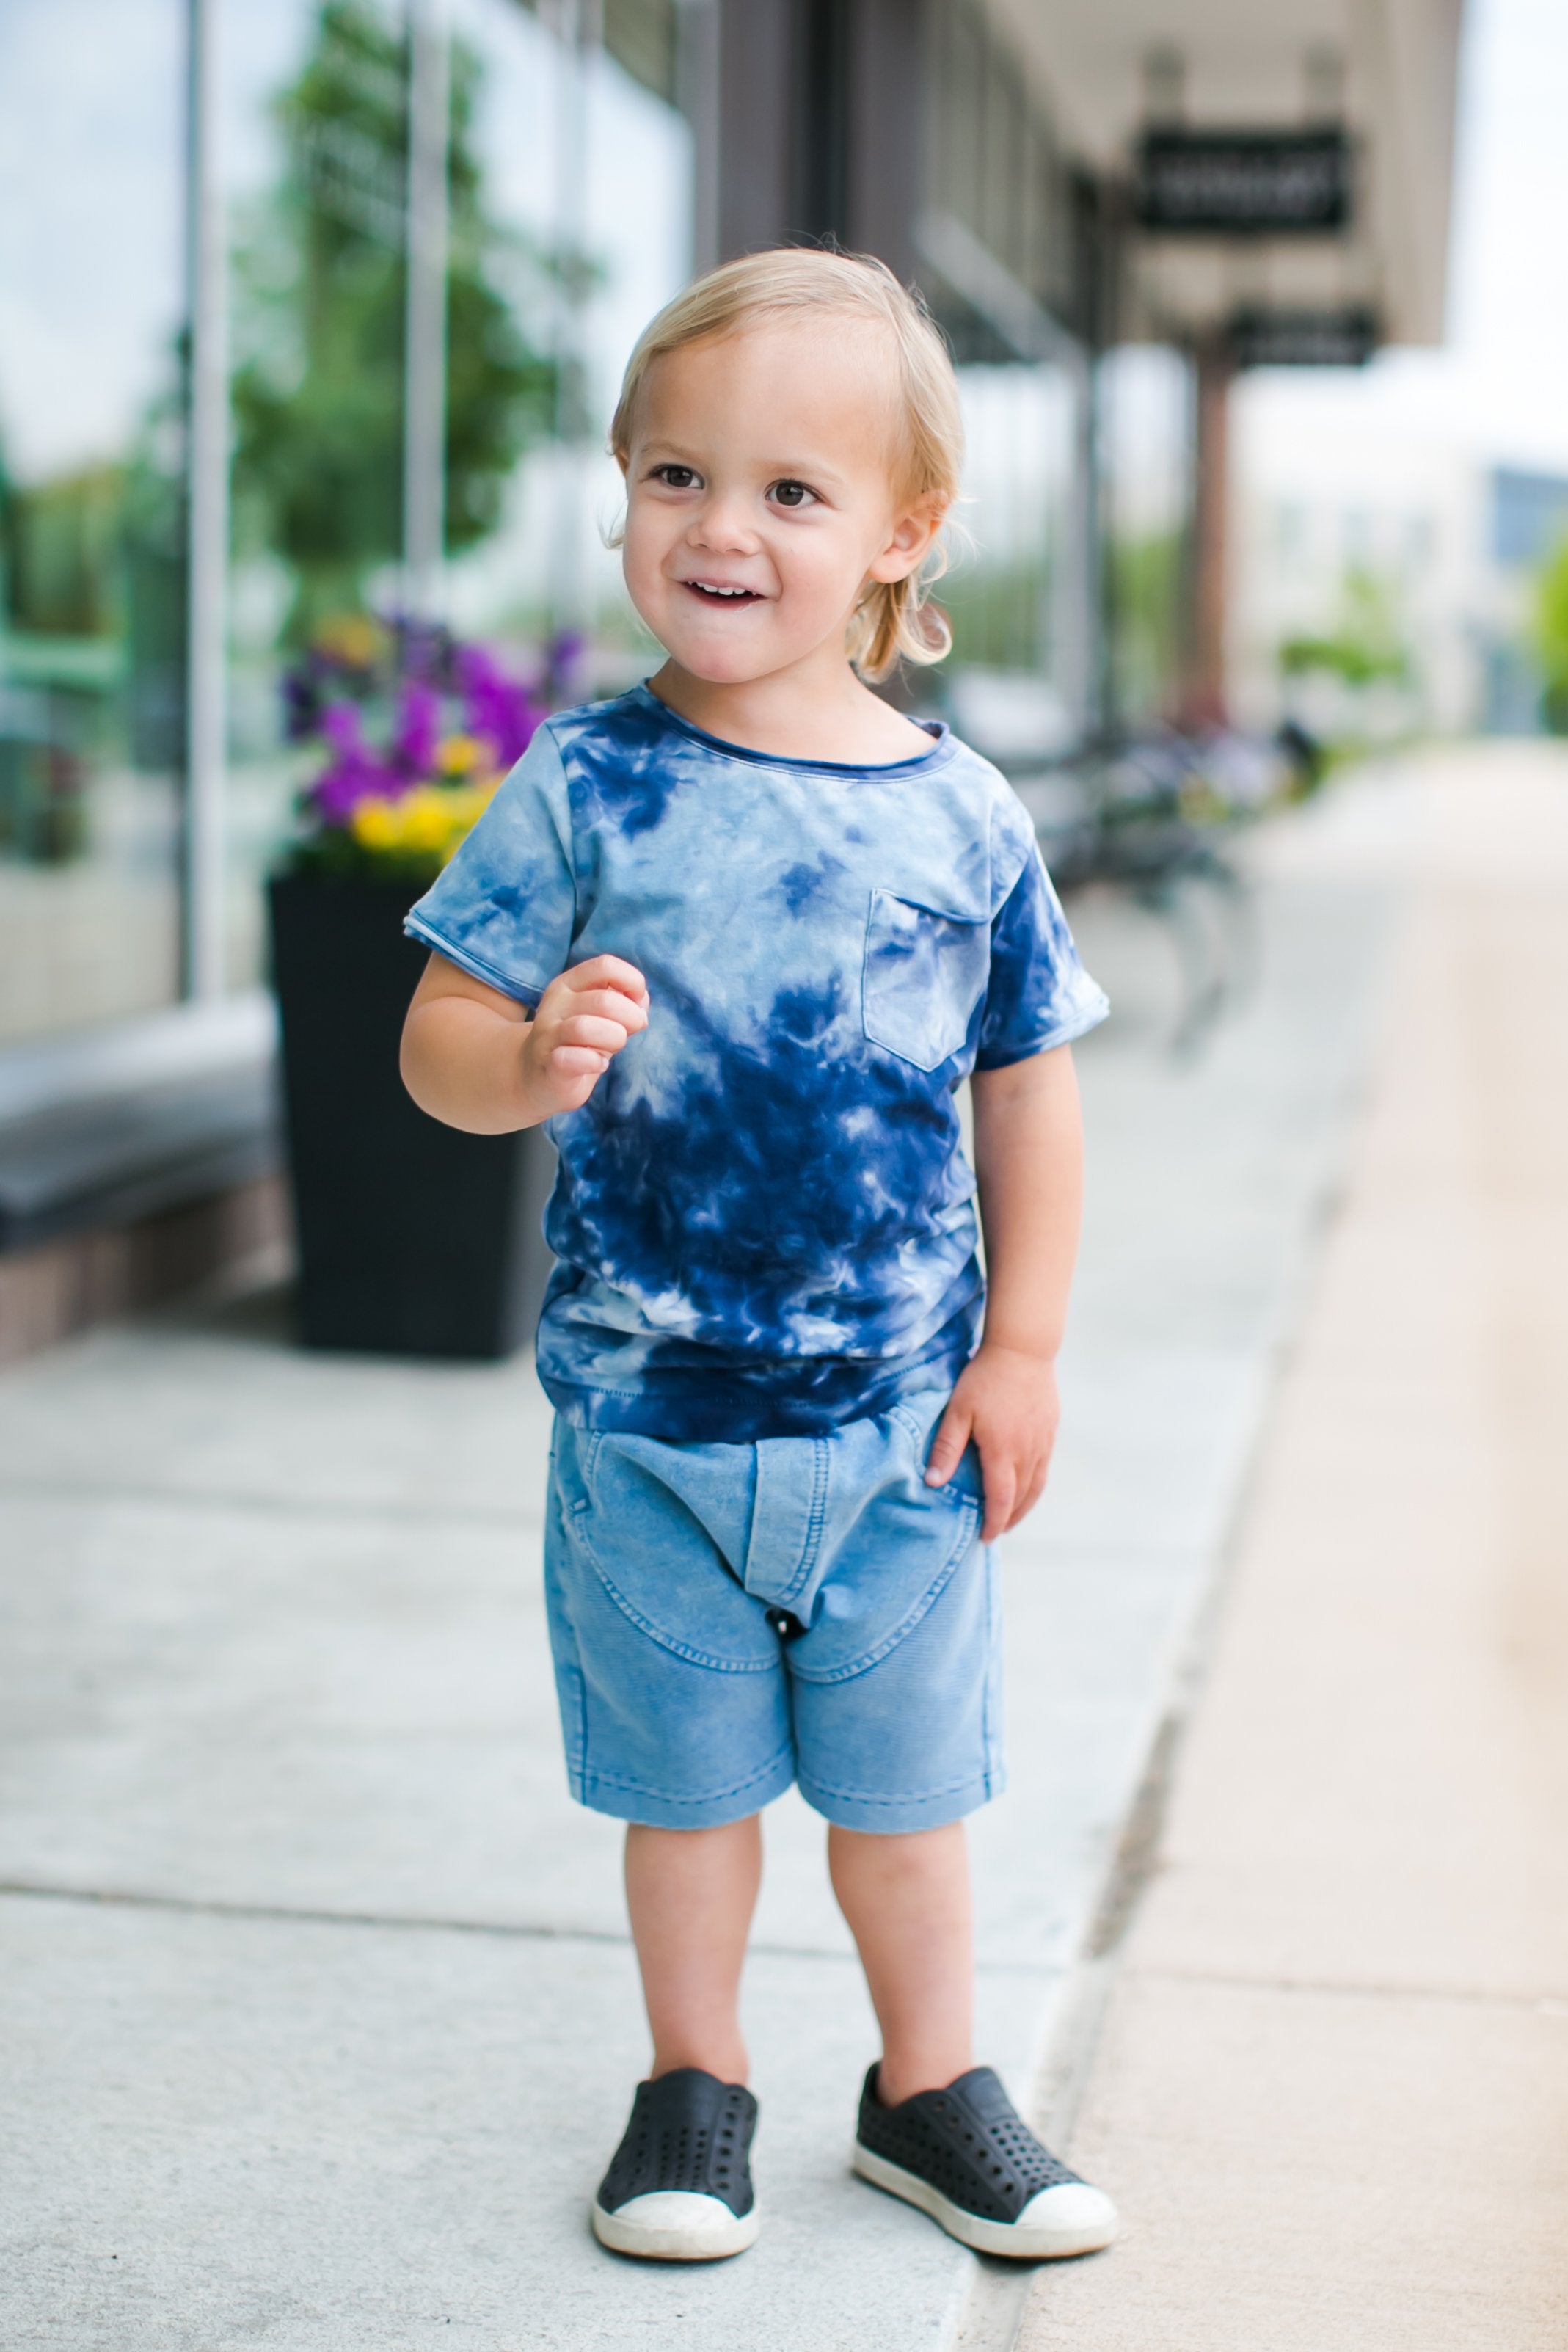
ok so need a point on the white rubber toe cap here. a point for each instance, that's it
(675, 2225)
(1071, 2219)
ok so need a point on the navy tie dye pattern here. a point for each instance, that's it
(763, 1217)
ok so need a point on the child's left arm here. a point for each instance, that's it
(1029, 1160)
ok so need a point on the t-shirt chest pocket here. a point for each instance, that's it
(924, 973)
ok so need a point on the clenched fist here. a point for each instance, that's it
(580, 1023)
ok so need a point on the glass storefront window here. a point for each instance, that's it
(92, 522)
(1017, 683)
(314, 146)
(1010, 593)
(587, 174)
(569, 203)
(1001, 252)
(1146, 407)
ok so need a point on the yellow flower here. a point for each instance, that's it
(430, 821)
(458, 755)
(350, 638)
(466, 805)
(426, 822)
(375, 824)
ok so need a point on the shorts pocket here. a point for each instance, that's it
(925, 974)
(882, 1588)
(659, 1565)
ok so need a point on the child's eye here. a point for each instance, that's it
(676, 478)
(792, 494)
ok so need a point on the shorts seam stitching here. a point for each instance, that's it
(709, 1797)
(816, 1519)
(703, 1659)
(981, 1780)
(913, 1616)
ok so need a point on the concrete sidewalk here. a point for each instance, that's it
(1333, 2094)
(318, 2012)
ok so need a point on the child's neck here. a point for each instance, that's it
(828, 715)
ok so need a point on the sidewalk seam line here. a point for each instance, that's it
(1350, 1989)
(503, 1930)
(272, 1507)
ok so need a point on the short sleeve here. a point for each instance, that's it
(504, 909)
(1038, 994)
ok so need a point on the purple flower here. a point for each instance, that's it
(301, 705)
(418, 731)
(354, 771)
(434, 687)
(566, 675)
(499, 709)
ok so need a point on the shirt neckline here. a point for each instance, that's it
(942, 746)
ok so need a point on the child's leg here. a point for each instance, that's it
(933, 2128)
(906, 1898)
(691, 1895)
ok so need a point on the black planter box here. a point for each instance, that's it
(414, 1239)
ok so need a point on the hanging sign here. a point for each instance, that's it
(1304, 338)
(1244, 182)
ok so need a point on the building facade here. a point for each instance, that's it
(217, 387)
(311, 318)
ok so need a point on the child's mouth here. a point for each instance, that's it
(711, 593)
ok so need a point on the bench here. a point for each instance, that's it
(133, 1160)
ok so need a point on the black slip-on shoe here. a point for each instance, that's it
(679, 2187)
(966, 2157)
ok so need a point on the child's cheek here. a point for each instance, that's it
(640, 567)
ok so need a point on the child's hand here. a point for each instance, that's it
(1006, 1401)
(579, 1025)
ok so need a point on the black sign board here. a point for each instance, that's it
(1304, 338)
(1244, 182)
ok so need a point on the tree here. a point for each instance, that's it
(318, 392)
(1366, 644)
(1551, 635)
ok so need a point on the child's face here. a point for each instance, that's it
(760, 498)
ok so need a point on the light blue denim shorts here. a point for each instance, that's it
(728, 1619)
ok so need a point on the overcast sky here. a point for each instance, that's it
(1509, 301)
(1500, 386)
(88, 236)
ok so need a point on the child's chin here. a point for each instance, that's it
(725, 665)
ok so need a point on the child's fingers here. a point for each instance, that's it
(609, 1004)
(947, 1446)
(609, 972)
(577, 1061)
(591, 1029)
(1029, 1490)
(998, 1482)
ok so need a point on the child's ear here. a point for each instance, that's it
(910, 540)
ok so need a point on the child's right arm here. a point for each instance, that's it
(479, 1060)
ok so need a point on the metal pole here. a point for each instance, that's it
(1203, 702)
(207, 501)
(1074, 599)
(578, 33)
(425, 352)
(698, 72)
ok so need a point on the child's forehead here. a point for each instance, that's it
(817, 371)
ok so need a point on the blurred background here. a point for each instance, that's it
(311, 318)
(320, 2013)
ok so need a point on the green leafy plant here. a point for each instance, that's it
(1366, 646)
(1550, 635)
(318, 395)
(1146, 585)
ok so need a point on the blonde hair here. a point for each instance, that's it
(892, 619)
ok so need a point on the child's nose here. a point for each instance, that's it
(723, 523)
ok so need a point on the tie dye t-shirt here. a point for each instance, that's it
(763, 1217)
